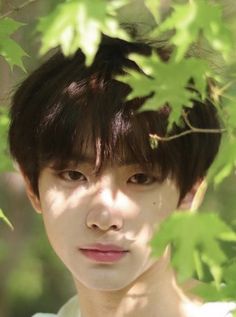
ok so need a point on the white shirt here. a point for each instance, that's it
(70, 309)
(214, 309)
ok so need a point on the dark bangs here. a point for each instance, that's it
(93, 116)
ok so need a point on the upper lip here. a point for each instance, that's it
(104, 247)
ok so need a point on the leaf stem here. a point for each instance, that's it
(16, 9)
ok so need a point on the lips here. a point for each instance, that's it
(106, 253)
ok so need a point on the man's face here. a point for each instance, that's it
(101, 226)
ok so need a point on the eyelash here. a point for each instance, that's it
(149, 179)
(141, 178)
(63, 175)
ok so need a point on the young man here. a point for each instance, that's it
(102, 190)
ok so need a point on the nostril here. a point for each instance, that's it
(95, 227)
(104, 219)
(114, 227)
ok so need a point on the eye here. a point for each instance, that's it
(142, 179)
(72, 176)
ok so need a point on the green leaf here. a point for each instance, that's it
(169, 82)
(189, 234)
(9, 26)
(195, 18)
(5, 162)
(79, 23)
(9, 49)
(210, 292)
(225, 160)
(225, 291)
(4, 218)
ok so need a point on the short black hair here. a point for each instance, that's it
(63, 106)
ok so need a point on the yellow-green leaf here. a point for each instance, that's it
(78, 24)
(4, 218)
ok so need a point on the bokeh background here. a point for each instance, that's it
(32, 279)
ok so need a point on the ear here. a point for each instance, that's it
(35, 200)
(194, 197)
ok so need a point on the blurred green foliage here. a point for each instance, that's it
(194, 27)
(5, 162)
(191, 19)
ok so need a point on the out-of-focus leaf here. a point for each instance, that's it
(4, 218)
(197, 17)
(9, 49)
(225, 160)
(188, 232)
(5, 162)
(27, 272)
(78, 24)
(226, 289)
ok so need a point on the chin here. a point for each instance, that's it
(102, 283)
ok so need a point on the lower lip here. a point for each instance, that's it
(101, 256)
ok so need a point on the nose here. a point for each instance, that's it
(104, 213)
(104, 220)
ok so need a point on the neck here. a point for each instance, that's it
(155, 293)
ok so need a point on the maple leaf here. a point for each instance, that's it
(9, 49)
(79, 23)
(188, 232)
(169, 83)
(195, 18)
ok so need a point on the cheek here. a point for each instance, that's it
(56, 202)
(158, 205)
(60, 216)
(153, 209)
(166, 202)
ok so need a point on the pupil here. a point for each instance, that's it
(142, 178)
(74, 175)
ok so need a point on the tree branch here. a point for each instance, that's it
(191, 130)
(16, 9)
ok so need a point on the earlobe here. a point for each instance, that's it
(194, 197)
(34, 199)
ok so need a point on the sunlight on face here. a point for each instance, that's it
(122, 206)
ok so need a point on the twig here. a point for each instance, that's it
(16, 9)
(191, 130)
(194, 129)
